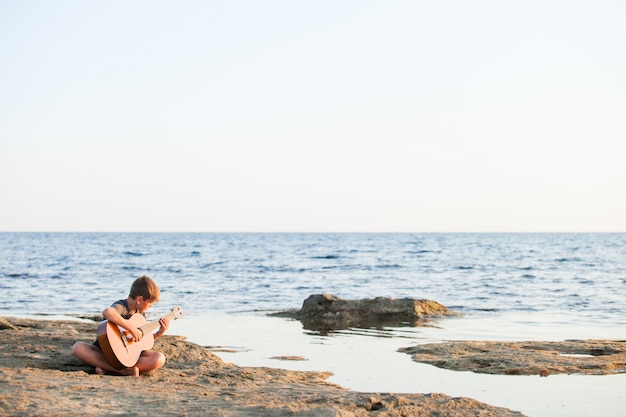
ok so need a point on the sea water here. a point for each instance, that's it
(508, 287)
(60, 273)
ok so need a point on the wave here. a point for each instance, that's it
(211, 264)
(389, 266)
(562, 260)
(20, 275)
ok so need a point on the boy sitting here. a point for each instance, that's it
(143, 293)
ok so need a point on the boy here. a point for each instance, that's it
(143, 293)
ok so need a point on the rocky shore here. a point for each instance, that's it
(325, 312)
(39, 376)
(589, 357)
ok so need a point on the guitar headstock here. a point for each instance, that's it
(177, 312)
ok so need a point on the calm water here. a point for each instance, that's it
(75, 273)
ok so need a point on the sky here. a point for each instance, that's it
(313, 116)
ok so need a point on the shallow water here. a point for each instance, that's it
(368, 360)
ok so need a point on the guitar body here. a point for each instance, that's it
(119, 351)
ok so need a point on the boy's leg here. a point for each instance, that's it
(93, 356)
(150, 361)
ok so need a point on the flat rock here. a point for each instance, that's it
(591, 357)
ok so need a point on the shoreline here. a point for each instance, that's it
(39, 376)
(33, 372)
(368, 360)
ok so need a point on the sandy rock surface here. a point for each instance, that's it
(591, 357)
(39, 376)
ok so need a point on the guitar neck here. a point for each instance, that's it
(153, 325)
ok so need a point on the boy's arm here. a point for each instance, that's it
(114, 317)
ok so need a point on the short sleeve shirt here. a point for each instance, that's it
(121, 306)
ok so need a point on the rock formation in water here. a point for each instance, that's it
(325, 312)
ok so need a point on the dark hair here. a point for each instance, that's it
(145, 287)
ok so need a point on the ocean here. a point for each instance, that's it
(78, 273)
(507, 286)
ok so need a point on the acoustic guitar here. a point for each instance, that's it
(117, 343)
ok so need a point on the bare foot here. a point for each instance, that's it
(134, 371)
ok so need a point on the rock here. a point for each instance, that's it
(325, 312)
(590, 357)
(4, 325)
(182, 354)
(289, 358)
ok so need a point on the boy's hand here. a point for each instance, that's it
(165, 324)
(136, 333)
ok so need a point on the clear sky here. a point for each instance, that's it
(325, 115)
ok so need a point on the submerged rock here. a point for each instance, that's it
(325, 312)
